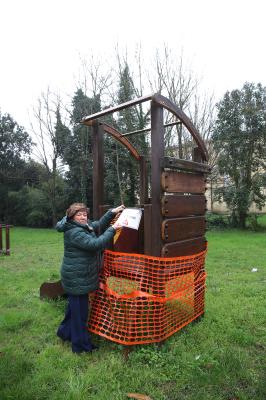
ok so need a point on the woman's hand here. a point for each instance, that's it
(116, 226)
(118, 209)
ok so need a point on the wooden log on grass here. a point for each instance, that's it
(51, 290)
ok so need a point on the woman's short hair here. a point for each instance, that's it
(74, 208)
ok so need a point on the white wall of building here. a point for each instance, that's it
(218, 207)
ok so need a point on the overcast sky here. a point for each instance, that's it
(42, 41)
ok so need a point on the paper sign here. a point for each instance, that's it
(130, 218)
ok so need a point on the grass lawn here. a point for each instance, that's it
(221, 357)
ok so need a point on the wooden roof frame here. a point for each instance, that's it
(159, 100)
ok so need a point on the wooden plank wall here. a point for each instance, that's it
(183, 207)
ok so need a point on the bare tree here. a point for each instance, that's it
(43, 126)
(176, 81)
(202, 112)
(95, 77)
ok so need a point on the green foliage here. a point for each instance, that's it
(36, 195)
(15, 146)
(130, 119)
(222, 357)
(61, 138)
(31, 205)
(239, 138)
(15, 143)
(112, 154)
(256, 223)
(84, 105)
(26, 204)
(77, 152)
(217, 221)
(37, 219)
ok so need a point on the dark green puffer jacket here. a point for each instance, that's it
(80, 266)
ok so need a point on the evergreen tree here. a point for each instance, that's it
(15, 146)
(112, 193)
(129, 120)
(62, 135)
(240, 138)
(78, 153)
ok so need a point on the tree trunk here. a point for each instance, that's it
(242, 220)
(118, 175)
(211, 190)
(54, 218)
(83, 179)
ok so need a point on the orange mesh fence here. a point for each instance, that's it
(143, 299)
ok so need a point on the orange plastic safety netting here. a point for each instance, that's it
(143, 299)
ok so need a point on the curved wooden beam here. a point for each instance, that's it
(166, 103)
(119, 137)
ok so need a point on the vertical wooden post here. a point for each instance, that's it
(1, 240)
(7, 241)
(147, 229)
(199, 293)
(98, 165)
(157, 152)
(143, 180)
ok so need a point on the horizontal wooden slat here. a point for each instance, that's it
(184, 165)
(175, 229)
(184, 247)
(181, 205)
(181, 182)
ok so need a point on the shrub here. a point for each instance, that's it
(37, 219)
(217, 221)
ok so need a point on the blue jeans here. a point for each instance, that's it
(74, 326)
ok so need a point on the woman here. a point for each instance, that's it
(80, 269)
